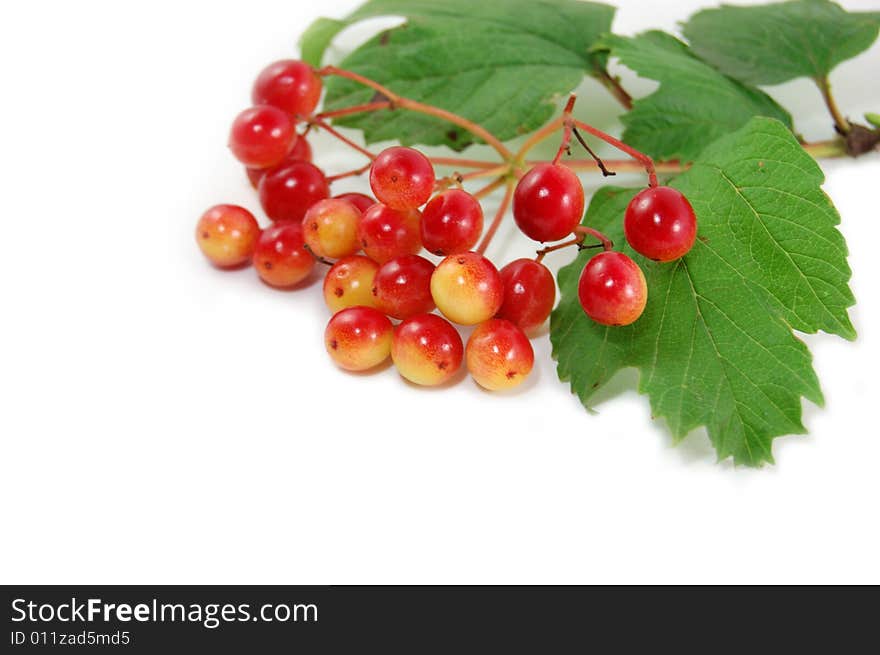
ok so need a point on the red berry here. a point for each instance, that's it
(289, 85)
(261, 136)
(660, 224)
(548, 202)
(361, 201)
(288, 191)
(427, 350)
(402, 178)
(467, 288)
(280, 258)
(358, 338)
(330, 227)
(529, 293)
(349, 282)
(227, 235)
(451, 223)
(387, 233)
(402, 287)
(302, 151)
(499, 355)
(612, 289)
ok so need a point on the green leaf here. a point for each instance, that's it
(502, 64)
(774, 43)
(317, 37)
(715, 346)
(694, 105)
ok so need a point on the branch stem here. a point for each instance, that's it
(840, 123)
(613, 86)
(584, 231)
(397, 101)
(499, 215)
(317, 122)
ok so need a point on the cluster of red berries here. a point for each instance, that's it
(659, 223)
(390, 280)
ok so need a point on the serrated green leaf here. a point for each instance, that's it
(499, 63)
(715, 346)
(694, 105)
(774, 43)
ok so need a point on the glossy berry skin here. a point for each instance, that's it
(427, 350)
(660, 224)
(227, 235)
(362, 201)
(290, 85)
(402, 178)
(287, 192)
(280, 258)
(302, 151)
(451, 223)
(467, 288)
(330, 228)
(529, 294)
(402, 287)
(499, 355)
(612, 289)
(548, 202)
(358, 338)
(261, 136)
(386, 233)
(349, 282)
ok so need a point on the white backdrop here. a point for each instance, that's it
(161, 421)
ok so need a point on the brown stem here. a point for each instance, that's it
(613, 85)
(596, 158)
(840, 123)
(499, 215)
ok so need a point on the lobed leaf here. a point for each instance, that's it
(715, 346)
(694, 105)
(774, 43)
(499, 63)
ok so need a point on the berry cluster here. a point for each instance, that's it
(372, 246)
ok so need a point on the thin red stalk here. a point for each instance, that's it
(405, 103)
(353, 173)
(489, 188)
(496, 222)
(582, 230)
(559, 246)
(356, 109)
(646, 161)
(456, 162)
(567, 128)
(619, 165)
(317, 122)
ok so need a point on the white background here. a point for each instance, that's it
(162, 421)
